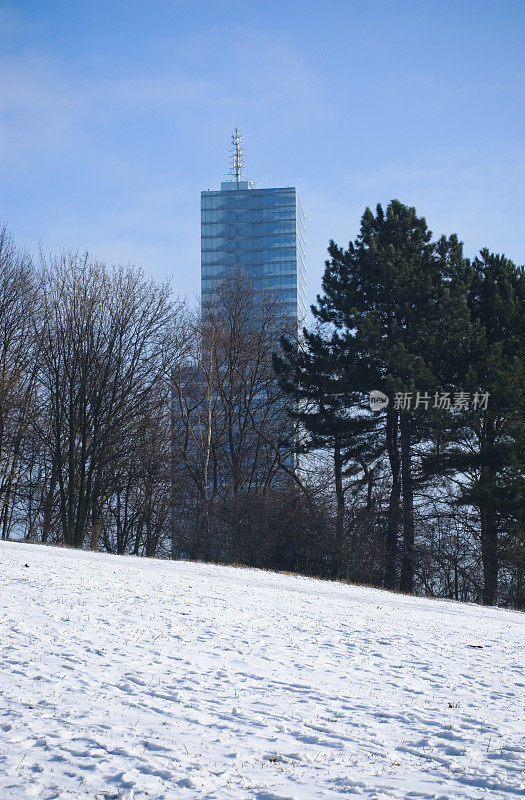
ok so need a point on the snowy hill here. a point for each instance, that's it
(126, 677)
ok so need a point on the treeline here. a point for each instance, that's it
(134, 424)
(441, 466)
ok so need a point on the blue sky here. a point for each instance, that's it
(114, 115)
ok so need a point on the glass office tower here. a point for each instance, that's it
(259, 232)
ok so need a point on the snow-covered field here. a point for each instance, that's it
(126, 677)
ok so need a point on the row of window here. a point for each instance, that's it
(248, 214)
(284, 293)
(272, 228)
(246, 242)
(280, 280)
(248, 199)
(282, 290)
(252, 270)
(247, 256)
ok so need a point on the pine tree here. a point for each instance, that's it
(396, 302)
(327, 392)
(485, 445)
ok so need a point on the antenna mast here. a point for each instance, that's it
(236, 157)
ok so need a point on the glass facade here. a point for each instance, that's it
(259, 232)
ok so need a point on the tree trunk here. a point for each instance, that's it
(96, 526)
(339, 493)
(175, 543)
(49, 503)
(407, 564)
(489, 555)
(488, 520)
(393, 502)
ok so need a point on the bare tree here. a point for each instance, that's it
(17, 370)
(104, 348)
(230, 428)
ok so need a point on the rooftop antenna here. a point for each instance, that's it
(236, 157)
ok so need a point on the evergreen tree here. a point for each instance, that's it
(485, 445)
(396, 302)
(329, 397)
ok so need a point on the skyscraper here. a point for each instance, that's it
(259, 232)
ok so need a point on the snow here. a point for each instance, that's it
(136, 678)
